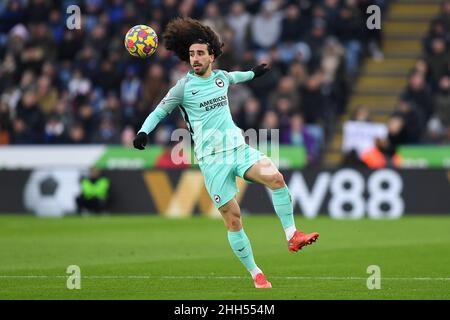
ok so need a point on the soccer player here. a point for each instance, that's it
(201, 96)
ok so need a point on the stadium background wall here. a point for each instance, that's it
(341, 193)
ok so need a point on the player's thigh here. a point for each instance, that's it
(263, 171)
(220, 182)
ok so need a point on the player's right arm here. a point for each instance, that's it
(173, 99)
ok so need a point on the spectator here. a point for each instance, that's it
(350, 27)
(47, 96)
(439, 126)
(154, 88)
(127, 136)
(228, 59)
(316, 41)
(88, 119)
(112, 109)
(438, 59)
(54, 131)
(443, 101)
(437, 30)
(35, 51)
(251, 115)
(5, 124)
(14, 14)
(286, 89)
(271, 124)
(299, 73)
(293, 25)
(79, 85)
(362, 114)
(335, 80)
(284, 108)
(30, 113)
(444, 16)
(77, 134)
(109, 77)
(21, 133)
(37, 10)
(8, 71)
(130, 89)
(266, 25)
(397, 134)
(420, 95)
(69, 46)
(213, 18)
(313, 100)
(381, 155)
(87, 60)
(414, 125)
(238, 20)
(331, 12)
(299, 135)
(107, 133)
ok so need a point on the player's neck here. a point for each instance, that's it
(207, 74)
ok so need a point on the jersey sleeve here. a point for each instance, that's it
(173, 99)
(239, 76)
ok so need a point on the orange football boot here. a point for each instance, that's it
(300, 239)
(261, 282)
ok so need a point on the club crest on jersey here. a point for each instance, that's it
(216, 198)
(219, 82)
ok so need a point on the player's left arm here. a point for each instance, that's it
(242, 76)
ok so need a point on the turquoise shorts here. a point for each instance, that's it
(221, 169)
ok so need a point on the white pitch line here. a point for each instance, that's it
(222, 277)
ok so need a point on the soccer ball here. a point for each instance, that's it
(141, 41)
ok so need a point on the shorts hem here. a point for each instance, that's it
(218, 205)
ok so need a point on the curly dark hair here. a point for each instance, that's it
(181, 33)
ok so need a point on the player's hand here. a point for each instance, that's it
(261, 69)
(140, 141)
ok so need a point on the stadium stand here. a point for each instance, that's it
(409, 88)
(61, 86)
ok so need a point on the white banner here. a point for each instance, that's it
(361, 136)
(38, 156)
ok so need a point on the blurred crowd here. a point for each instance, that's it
(428, 91)
(62, 86)
(422, 114)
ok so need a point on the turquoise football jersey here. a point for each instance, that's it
(203, 102)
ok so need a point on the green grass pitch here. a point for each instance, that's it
(137, 257)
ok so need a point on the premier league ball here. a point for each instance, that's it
(141, 41)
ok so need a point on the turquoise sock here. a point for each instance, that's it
(242, 249)
(282, 203)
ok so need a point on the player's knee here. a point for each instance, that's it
(277, 180)
(233, 221)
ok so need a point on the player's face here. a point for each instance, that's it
(200, 58)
